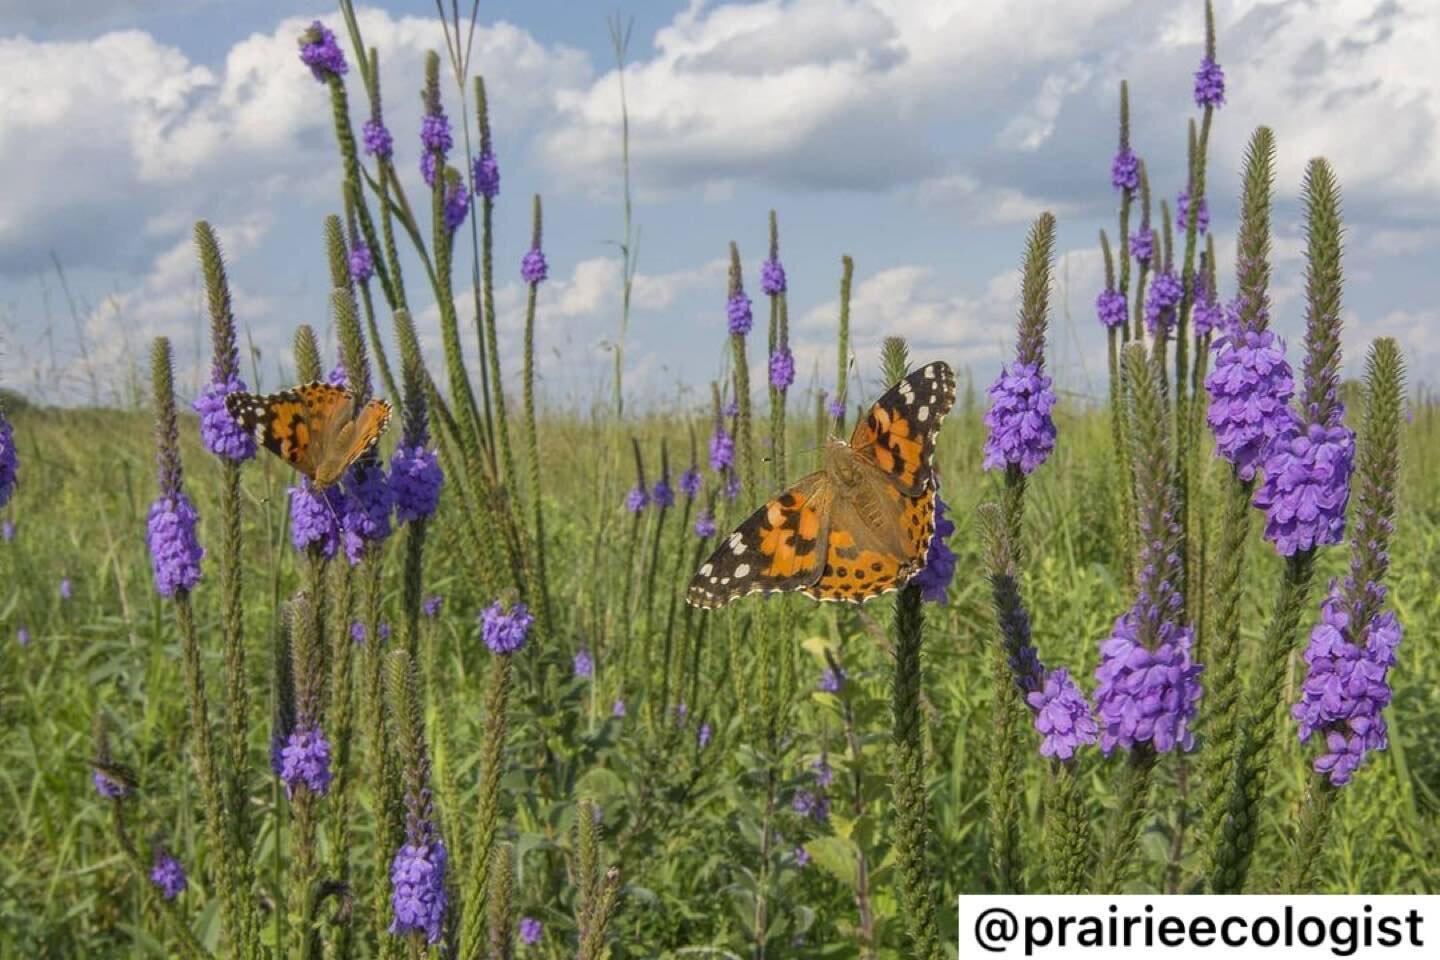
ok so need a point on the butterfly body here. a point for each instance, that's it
(314, 427)
(858, 527)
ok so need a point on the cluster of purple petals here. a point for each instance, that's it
(320, 52)
(1146, 696)
(487, 175)
(415, 482)
(434, 137)
(1209, 84)
(1021, 429)
(175, 551)
(663, 495)
(167, 875)
(1142, 244)
(836, 407)
(1182, 213)
(1208, 315)
(305, 758)
(1062, 716)
(737, 312)
(22, 636)
(824, 773)
(107, 786)
(357, 633)
(366, 515)
(722, 450)
(637, 499)
(705, 524)
(832, 679)
(378, 142)
(584, 665)
(808, 804)
(702, 739)
(67, 589)
(731, 489)
(1347, 686)
(1110, 308)
(1125, 171)
(457, 203)
(934, 578)
(1250, 390)
(417, 890)
(802, 856)
(533, 268)
(338, 375)
(313, 519)
(1165, 293)
(432, 604)
(530, 931)
(782, 368)
(7, 530)
(1307, 485)
(362, 264)
(772, 277)
(691, 482)
(617, 709)
(220, 433)
(504, 631)
(731, 408)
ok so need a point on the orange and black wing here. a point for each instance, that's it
(780, 547)
(280, 423)
(861, 562)
(898, 434)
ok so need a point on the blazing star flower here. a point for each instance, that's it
(434, 137)
(7, 530)
(487, 175)
(9, 462)
(533, 268)
(530, 931)
(220, 433)
(703, 737)
(584, 666)
(831, 680)
(362, 264)
(1209, 84)
(417, 884)
(67, 590)
(314, 519)
(378, 142)
(320, 52)
(1021, 430)
(431, 607)
(167, 875)
(722, 450)
(782, 368)
(504, 631)
(663, 496)
(415, 481)
(1347, 686)
(367, 505)
(1110, 308)
(1146, 696)
(705, 524)
(737, 311)
(934, 578)
(1165, 294)
(1182, 213)
(1062, 715)
(1125, 171)
(1142, 244)
(174, 550)
(637, 499)
(1250, 390)
(772, 277)
(305, 758)
(1307, 485)
(107, 786)
(690, 482)
(457, 203)
(618, 709)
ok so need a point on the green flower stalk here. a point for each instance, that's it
(502, 890)
(737, 310)
(1124, 157)
(360, 267)
(1067, 830)
(629, 240)
(592, 938)
(533, 272)
(308, 767)
(486, 187)
(1115, 337)
(782, 362)
(838, 401)
(1144, 247)
(587, 864)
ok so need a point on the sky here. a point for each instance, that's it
(920, 137)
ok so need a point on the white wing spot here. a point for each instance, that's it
(930, 370)
(724, 581)
(705, 570)
(743, 570)
(739, 546)
(922, 414)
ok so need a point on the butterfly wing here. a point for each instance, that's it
(878, 540)
(350, 440)
(898, 434)
(779, 547)
(280, 423)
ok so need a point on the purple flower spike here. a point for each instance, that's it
(1021, 430)
(530, 931)
(831, 680)
(782, 368)
(221, 435)
(435, 134)
(320, 52)
(432, 605)
(1250, 390)
(803, 803)
(362, 264)
(1110, 308)
(836, 408)
(22, 636)
(584, 666)
(802, 856)
(305, 758)
(1307, 486)
(772, 277)
(637, 499)
(722, 450)
(705, 525)
(533, 268)
(934, 578)
(504, 631)
(1208, 316)
(174, 550)
(9, 462)
(1165, 293)
(378, 142)
(313, 519)
(1146, 696)
(1209, 84)
(457, 203)
(737, 311)
(1142, 244)
(67, 589)
(487, 175)
(415, 482)
(1182, 213)
(618, 708)
(691, 482)
(7, 530)
(1125, 171)
(417, 897)
(167, 875)
(731, 408)
(107, 786)
(663, 496)
(703, 737)
(365, 519)
(1062, 715)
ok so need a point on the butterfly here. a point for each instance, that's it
(857, 528)
(313, 427)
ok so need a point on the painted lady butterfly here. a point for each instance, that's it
(859, 527)
(313, 427)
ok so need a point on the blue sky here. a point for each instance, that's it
(921, 138)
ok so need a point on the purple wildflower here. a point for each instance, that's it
(415, 481)
(378, 142)
(305, 758)
(731, 489)
(782, 368)
(220, 433)
(1146, 696)
(703, 737)
(737, 311)
(457, 203)
(167, 875)
(533, 268)
(383, 631)
(1021, 430)
(584, 665)
(530, 931)
(1182, 213)
(22, 636)
(367, 505)
(504, 631)
(1208, 315)
(9, 462)
(487, 175)
(434, 138)
(705, 524)
(314, 522)
(362, 264)
(338, 375)
(1307, 485)
(1142, 244)
(722, 450)
(934, 578)
(7, 530)
(1165, 293)
(802, 856)
(836, 408)
(417, 897)
(1209, 84)
(772, 277)
(637, 499)
(107, 786)
(67, 589)
(731, 408)
(1125, 171)
(618, 708)
(824, 773)
(174, 550)
(663, 495)
(1110, 308)
(831, 679)
(690, 482)
(357, 633)
(803, 803)
(320, 52)
(1250, 390)
(1062, 715)
(431, 607)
